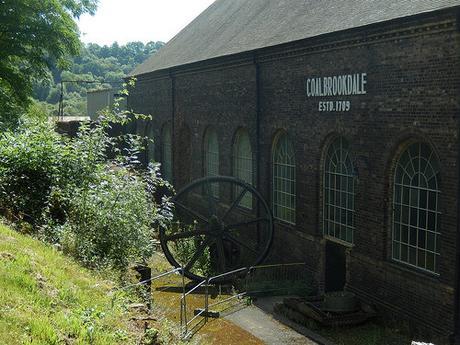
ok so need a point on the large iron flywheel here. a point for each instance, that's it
(220, 224)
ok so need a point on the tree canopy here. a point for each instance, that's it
(105, 65)
(34, 35)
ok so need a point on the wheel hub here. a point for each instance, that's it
(216, 226)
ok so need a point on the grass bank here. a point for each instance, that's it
(47, 298)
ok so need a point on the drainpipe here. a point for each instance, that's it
(456, 335)
(173, 125)
(258, 131)
(258, 115)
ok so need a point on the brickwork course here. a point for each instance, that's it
(410, 54)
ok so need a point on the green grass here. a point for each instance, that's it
(46, 298)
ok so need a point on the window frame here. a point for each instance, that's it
(278, 165)
(243, 164)
(339, 144)
(211, 159)
(167, 163)
(398, 209)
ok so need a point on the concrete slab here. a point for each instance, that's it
(258, 320)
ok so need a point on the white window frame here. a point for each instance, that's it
(151, 145)
(339, 193)
(167, 152)
(284, 179)
(415, 220)
(243, 166)
(212, 159)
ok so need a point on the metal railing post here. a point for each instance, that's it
(206, 301)
(184, 303)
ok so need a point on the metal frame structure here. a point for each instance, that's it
(218, 226)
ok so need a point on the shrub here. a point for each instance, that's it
(32, 163)
(103, 212)
(109, 223)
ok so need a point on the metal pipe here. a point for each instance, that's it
(456, 334)
(206, 302)
(183, 305)
(173, 121)
(228, 299)
(258, 144)
(228, 273)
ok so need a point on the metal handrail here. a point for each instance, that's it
(148, 281)
(207, 282)
(183, 309)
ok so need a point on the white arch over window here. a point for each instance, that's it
(284, 179)
(339, 192)
(167, 152)
(416, 212)
(151, 145)
(243, 165)
(211, 158)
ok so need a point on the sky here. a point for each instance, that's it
(139, 20)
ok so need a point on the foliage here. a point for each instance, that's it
(101, 211)
(110, 222)
(103, 66)
(33, 35)
(33, 161)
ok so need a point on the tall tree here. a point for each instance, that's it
(33, 35)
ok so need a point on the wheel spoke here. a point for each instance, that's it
(239, 225)
(185, 234)
(191, 212)
(199, 251)
(239, 243)
(221, 255)
(235, 203)
(211, 202)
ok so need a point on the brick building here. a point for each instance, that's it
(345, 115)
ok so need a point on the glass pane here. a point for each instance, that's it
(430, 261)
(396, 254)
(421, 258)
(412, 256)
(413, 236)
(404, 252)
(430, 241)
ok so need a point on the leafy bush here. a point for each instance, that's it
(110, 222)
(33, 161)
(101, 211)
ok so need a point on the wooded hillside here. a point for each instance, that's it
(105, 65)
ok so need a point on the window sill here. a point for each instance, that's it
(435, 277)
(338, 241)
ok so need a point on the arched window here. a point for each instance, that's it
(339, 192)
(211, 158)
(243, 165)
(167, 152)
(284, 179)
(416, 208)
(151, 145)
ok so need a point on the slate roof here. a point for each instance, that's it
(233, 26)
